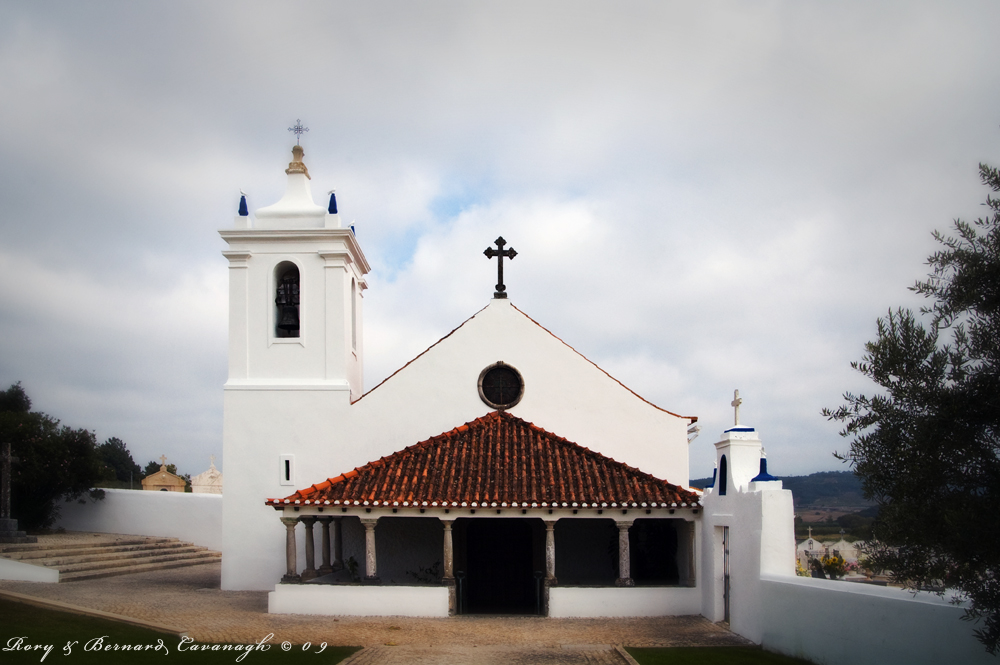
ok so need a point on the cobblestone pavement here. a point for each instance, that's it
(190, 598)
(489, 655)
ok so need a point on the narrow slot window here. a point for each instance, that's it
(286, 470)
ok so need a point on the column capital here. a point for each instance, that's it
(308, 520)
(290, 522)
(369, 522)
(624, 524)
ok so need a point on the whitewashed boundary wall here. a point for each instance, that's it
(374, 600)
(571, 602)
(26, 572)
(836, 622)
(195, 518)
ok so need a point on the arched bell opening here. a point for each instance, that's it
(286, 300)
(723, 475)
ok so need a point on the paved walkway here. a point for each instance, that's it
(190, 598)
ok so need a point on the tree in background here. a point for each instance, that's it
(54, 461)
(926, 446)
(153, 467)
(118, 463)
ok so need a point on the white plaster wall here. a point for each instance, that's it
(358, 600)
(195, 518)
(623, 601)
(762, 540)
(26, 572)
(831, 622)
(259, 427)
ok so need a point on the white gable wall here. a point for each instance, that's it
(564, 394)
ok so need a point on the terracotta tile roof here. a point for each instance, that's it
(497, 460)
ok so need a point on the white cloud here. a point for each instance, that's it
(737, 191)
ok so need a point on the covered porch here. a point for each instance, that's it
(580, 536)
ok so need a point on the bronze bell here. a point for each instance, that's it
(289, 318)
(287, 301)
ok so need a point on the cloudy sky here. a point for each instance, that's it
(703, 196)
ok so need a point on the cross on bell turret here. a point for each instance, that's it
(737, 400)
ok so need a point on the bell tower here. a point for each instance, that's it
(296, 281)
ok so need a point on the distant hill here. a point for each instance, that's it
(826, 488)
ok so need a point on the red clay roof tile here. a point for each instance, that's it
(499, 459)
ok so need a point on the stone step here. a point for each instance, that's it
(84, 559)
(16, 537)
(95, 557)
(209, 557)
(51, 552)
(139, 540)
(200, 553)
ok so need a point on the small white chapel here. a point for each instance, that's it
(498, 472)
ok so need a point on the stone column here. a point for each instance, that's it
(371, 572)
(449, 552)
(338, 544)
(448, 577)
(325, 567)
(310, 572)
(291, 576)
(624, 556)
(550, 552)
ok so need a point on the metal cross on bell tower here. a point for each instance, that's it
(298, 129)
(500, 253)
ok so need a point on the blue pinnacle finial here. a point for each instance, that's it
(333, 203)
(763, 476)
(243, 205)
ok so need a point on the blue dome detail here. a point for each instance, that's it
(763, 476)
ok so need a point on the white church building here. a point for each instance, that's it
(500, 471)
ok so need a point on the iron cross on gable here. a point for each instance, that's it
(500, 253)
(298, 129)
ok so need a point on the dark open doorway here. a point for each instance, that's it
(499, 571)
(654, 551)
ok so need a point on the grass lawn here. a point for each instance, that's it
(710, 656)
(47, 627)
